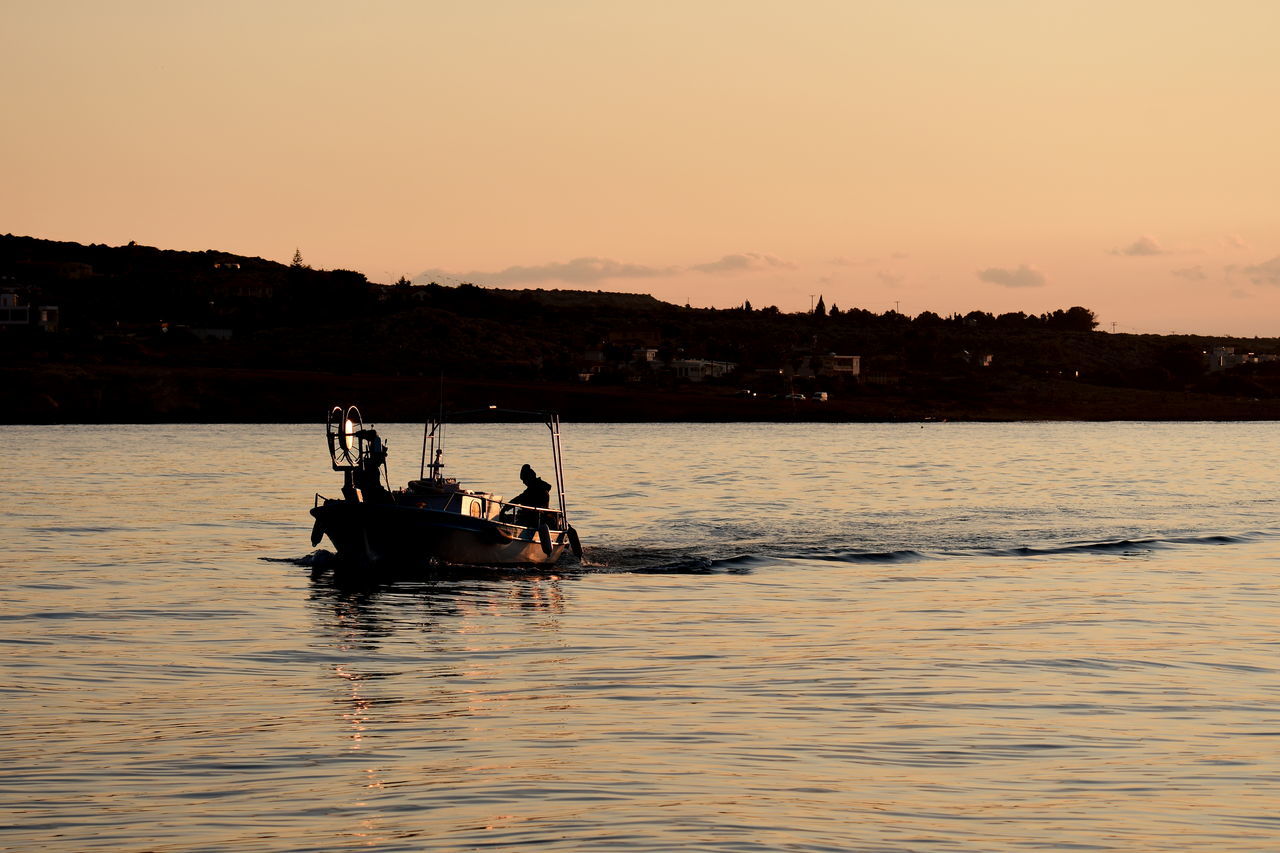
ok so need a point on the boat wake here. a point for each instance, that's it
(670, 561)
(306, 561)
(675, 561)
(666, 561)
(1127, 546)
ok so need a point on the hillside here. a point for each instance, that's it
(145, 334)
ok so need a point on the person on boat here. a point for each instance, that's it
(537, 492)
(367, 477)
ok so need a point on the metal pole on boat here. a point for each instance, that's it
(553, 424)
(435, 429)
(421, 469)
(430, 427)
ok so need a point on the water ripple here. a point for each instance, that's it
(953, 639)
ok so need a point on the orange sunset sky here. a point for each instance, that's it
(943, 156)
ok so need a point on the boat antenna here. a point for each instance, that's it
(427, 429)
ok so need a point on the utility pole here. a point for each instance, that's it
(1113, 327)
(811, 295)
(896, 303)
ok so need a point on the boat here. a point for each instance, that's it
(434, 521)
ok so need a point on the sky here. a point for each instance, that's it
(916, 155)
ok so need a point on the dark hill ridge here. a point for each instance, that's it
(30, 259)
(149, 334)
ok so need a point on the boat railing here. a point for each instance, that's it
(433, 447)
(508, 513)
(530, 516)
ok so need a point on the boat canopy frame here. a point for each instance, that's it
(433, 443)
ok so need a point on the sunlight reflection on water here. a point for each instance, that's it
(966, 637)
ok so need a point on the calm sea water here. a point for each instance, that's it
(961, 637)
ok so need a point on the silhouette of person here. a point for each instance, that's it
(368, 475)
(537, 492)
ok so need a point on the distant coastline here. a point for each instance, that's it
(114, 394)
(135, 334)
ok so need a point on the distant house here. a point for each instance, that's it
(1220, 358)
(47, 317)
(696, 370)
(15, 313)
(839, 365)
(1223, 358)
(11, 312)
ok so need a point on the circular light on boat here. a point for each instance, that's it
(348, 434)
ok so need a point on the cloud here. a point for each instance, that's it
(1144, 246)
(590, 270)
(576, 271)
(1195, 273)
(890, 279)
(1267, 272)
(747, 262)
(1023, 276)
(1235, 241)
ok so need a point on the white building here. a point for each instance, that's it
(1221, 358)
(696, 370)
(11, 313)
(839, 365)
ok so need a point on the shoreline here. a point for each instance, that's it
(126, 394)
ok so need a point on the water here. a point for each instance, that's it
(962, 637)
